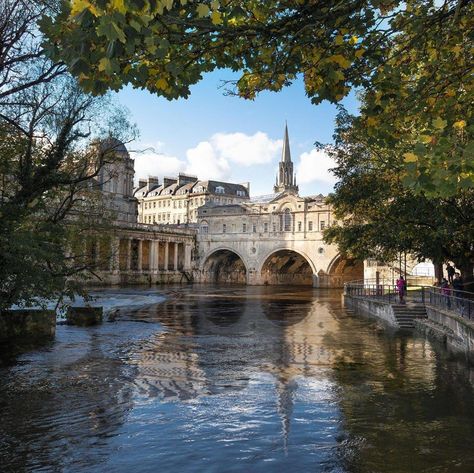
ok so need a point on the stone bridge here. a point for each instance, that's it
(275, 239)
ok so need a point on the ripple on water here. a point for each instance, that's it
(247, 380)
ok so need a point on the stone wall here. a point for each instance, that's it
(371, 308)
(27, 323)
(458, 333)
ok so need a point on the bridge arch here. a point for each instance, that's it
(340, 270)
(287, 266)
(224, 265)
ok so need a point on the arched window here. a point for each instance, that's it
(287, 221)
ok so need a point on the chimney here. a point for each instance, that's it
(167, 181)
(186, 179)
(152, 181)
(141, 183)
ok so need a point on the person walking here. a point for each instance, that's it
(450, 270)
(401, 288)
(446, 292)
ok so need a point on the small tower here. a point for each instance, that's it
(286, 179)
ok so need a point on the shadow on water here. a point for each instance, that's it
(237, 379)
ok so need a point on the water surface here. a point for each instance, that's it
(236, 379)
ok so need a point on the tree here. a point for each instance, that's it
(413, 58)
(48, 200)
(378, 217)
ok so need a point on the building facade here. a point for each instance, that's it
(176, 200)
(274, 239)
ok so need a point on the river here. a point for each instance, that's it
(236, 379)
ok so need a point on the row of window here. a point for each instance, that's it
(284, 227)
(182, 203)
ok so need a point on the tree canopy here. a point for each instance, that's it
(380, 218)
(413, 59)
(47, 201)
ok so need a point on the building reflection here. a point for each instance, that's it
(52, 408)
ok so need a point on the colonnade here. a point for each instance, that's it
(150, 255)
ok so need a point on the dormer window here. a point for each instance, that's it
(241, 193)
(219, 190)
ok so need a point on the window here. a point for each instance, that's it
(299, 226)
(254, 228)
(205, 229)
(287, 220)
(265, 227)
(310, 226)
(322, 224)
(244, 227)
(146, 205)
(240, 193)
(154, 205)
(224, 228)
(219, 190)
(274, 227)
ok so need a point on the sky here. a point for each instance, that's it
(214, 136)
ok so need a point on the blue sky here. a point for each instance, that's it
(216, 136)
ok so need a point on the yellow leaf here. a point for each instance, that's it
(339, 39)
(104, 64)
(353, 40)
(359, 53)
(161, 84)
(215, 4)
(431, 101)
(410, 158)
(425, 139)
(439, 123)
(216, 18)
(459, 125)
(341, 60)
(119, 5)
(372, 121)
(202, 10)
(79, 6)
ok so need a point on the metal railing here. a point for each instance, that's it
(460, 303)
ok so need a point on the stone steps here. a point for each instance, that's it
(406, 314)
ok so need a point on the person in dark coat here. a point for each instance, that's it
(450, 270)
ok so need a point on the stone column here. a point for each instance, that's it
(129, 254)
(151, 255)
(156, 256)
(140, 255)
(115, 256)
(165, 267)
(175, 257)
(187, 257)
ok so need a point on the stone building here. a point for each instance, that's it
(115, 182)
(128, 252)
(176, 200)
(274, 239)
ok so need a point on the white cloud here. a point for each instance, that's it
(204, 162)
(314, 167)
(246, 150)
(214, 158)
(152, 163)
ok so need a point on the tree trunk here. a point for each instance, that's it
(438, 271)
(467, 268)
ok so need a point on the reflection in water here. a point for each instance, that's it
(237, 380)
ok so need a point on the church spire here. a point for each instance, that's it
(286, 179)
(285, 154)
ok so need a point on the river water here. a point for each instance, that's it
(236, 379)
